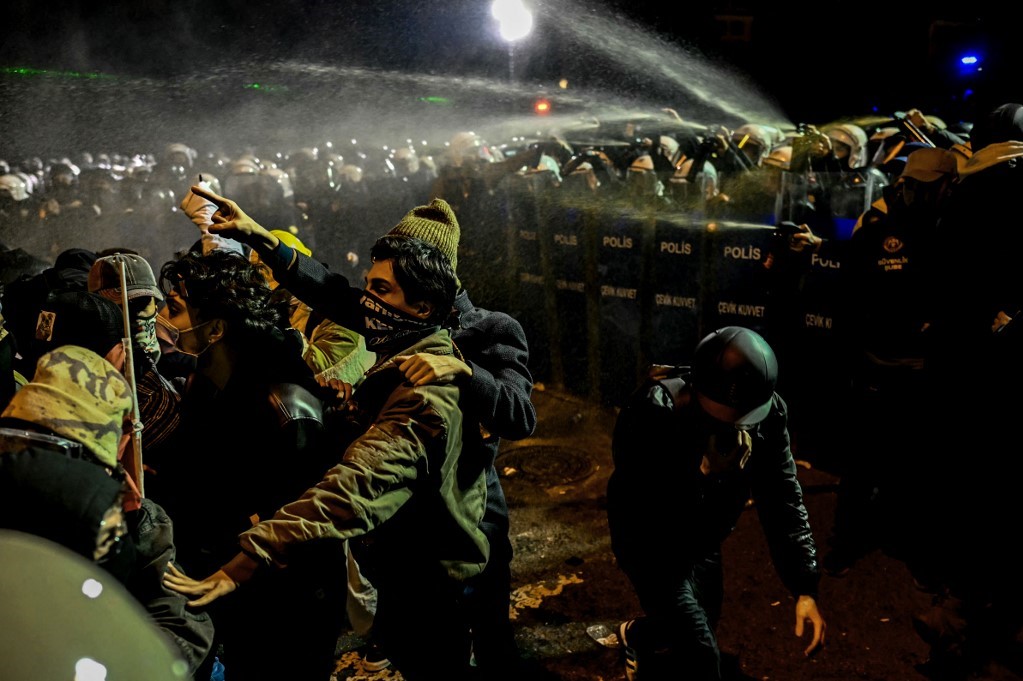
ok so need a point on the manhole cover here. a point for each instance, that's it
(547, 465)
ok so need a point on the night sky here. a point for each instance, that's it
(804, 62)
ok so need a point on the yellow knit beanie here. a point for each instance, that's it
(78, 395)
(436, 224)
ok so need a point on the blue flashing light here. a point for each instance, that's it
(969, 63)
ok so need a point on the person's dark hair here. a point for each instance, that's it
(76, 259)
(422, 270)
(223, 285)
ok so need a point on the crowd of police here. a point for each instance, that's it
(596, 238)
(652, 161)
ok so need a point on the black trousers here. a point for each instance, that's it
(488, 595)
(675, 639)
(285, 623)
(420, 620)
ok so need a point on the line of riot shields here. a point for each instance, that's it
(604, 290)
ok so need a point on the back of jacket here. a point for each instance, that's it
(402, 486)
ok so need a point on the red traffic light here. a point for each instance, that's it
(542, 106)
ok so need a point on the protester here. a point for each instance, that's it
(23, 298)
(61, 434)
(401, 494)
(159, 403)
(490, 368)
(691, 447)
(251, 438)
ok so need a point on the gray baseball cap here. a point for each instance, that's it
(105, 277)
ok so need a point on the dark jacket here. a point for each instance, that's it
(495, 400)
(238, 455)
(23, 298)
(190, 630)
(885, 276)
(49, 493)
(662, 508)
(497, 395)
(69, 497)
(983, 205)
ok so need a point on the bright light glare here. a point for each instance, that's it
(92, 588)
(89, 670)
(506, 10)
(515, 21)
(969, 60)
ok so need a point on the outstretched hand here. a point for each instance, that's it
(210, 589)
(806, 610)
(230, 221)
(424, 368)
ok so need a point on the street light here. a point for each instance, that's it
(514, 22)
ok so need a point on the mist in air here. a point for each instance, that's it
(275, 77)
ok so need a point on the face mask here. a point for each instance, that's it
(385, 326)
(145, 335)
(166, 333)
(726, 450)
(191, 351)
(725, 447)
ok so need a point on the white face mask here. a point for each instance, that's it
(191, 352)
(166, 331)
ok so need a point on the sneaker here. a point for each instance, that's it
(374, 660)
(631, 666)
